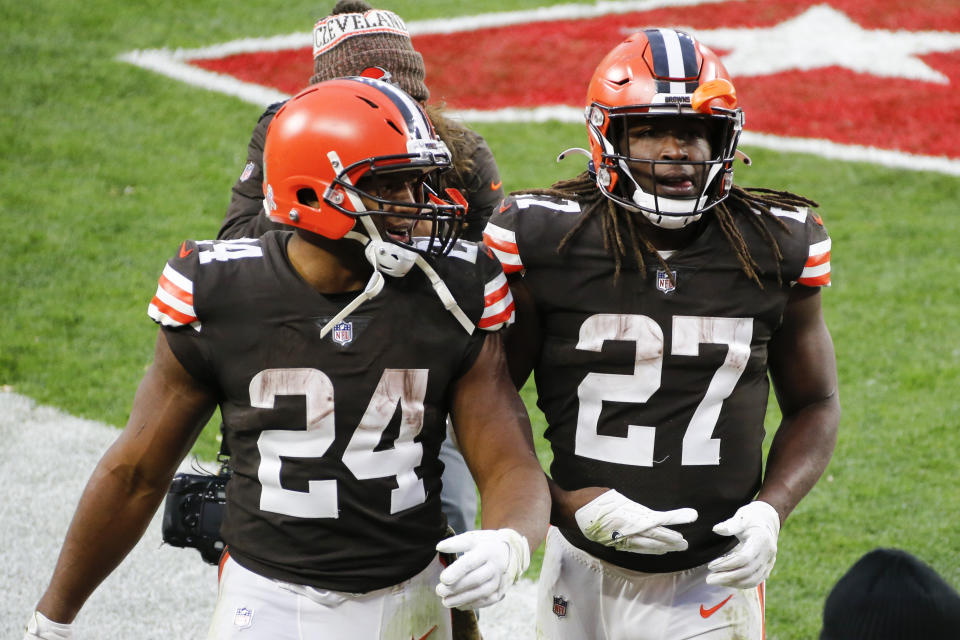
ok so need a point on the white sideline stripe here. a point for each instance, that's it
(172, 63)
(163, 62)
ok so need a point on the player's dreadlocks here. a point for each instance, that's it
(620, 229)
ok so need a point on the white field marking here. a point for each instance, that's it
(813, 146)
(159, 592)
(174, 64)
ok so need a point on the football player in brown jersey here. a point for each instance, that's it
(654, 298)
(334, 350)
(356, 39)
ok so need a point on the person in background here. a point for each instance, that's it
(356, 39)
(889, 594)
(654, 298)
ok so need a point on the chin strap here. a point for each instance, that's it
(449, 303)
(374, 286)
(389, 258)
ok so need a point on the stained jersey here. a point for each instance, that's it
(334, 440)
(656, 386)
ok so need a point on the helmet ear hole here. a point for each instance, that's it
(308, 196)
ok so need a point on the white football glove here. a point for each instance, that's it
(40, 627)
(757, 526)
(616, 521)
(492, 561)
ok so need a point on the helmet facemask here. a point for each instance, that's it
(363, 190)
(663, 80)
(658, 186)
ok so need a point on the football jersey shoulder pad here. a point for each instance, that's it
(198, 268)
(527, 223)
(477, 282)
(805, 245)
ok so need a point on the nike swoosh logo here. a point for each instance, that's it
(706, 613)
(184, 252)
(427, 634)
(496, 185)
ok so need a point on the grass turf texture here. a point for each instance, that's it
(106, 168)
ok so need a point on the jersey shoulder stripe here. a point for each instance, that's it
(503, 243)
(498, 306)
(172, 304)
(816, 270)
(800, 215)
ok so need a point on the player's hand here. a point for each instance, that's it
(757, 526)
(492, 561)
(616, 521)
(39, 627)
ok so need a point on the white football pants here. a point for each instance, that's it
(252, 607)
(580, 597)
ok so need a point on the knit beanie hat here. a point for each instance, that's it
(890, 595)
(355, 37)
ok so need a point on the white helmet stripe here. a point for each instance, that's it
(675, 62)
(412, 112)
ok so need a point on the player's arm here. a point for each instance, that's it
(804, 373)
(129, 483)
(494, 434)
(523, 339)
(493, 431)
(803, 369)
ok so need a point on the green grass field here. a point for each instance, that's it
(106, 168)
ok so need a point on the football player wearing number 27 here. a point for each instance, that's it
(654, 297)
(335, 351)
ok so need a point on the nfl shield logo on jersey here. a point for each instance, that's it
(243, 617)
(247, 172)
(666, 280)
(559, 606)
(343, 333)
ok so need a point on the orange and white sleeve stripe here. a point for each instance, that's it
(503, 243)
(816, 271)
(498, 307)
(172, 305)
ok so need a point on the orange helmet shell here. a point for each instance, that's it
(668, 72)
(334, 133)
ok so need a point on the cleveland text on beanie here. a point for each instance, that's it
(355, 37)
(890, 595)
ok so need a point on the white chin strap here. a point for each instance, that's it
(389, 258)
(676, 213)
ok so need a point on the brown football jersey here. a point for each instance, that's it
(656, 386)
(334, 440)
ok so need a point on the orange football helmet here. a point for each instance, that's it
(332, 135)
(656, 74)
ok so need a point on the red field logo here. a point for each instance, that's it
(869, 80)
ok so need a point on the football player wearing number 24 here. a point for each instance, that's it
(654, 298)
(335, 350)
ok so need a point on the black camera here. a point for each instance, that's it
(193, 512)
